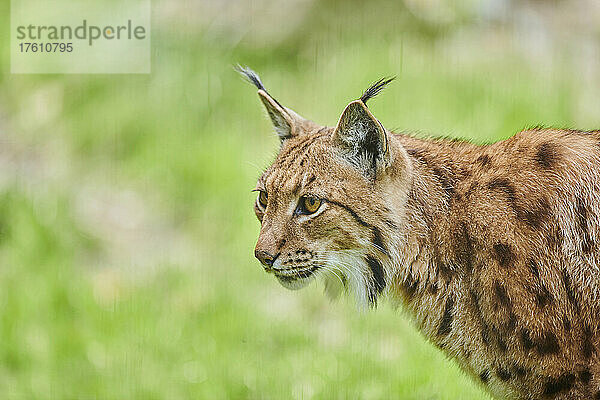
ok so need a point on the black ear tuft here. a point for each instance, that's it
(250, 76)
(375, 88)
(285, 121)
(254, 79)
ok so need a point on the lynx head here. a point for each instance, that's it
(325, 204)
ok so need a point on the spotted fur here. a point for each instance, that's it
(492, 249)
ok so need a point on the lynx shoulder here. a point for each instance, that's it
(494, 249)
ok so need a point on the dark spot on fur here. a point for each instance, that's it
(433, 288)
(561, 384)
(484, 160)
(500, 342)
(566, 323)
(512, 323)
(501, 295)
(548, 344)
(597, 395)
(536, 216)
(504, 185)
(526, 340)
(588, 346)
(543, 296)
(484, 376)
(547, 155)
(519, 371)
(464, 249)
(504, 254)
(566, 278)
(485, 334)
(585, 376)
(445, 271)
(446, 323)
(582, 215)
(485, 330)
(533, 267)
(539, 290)
(471, 188)
(503, 374)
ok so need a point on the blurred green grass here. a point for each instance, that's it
(96, 304)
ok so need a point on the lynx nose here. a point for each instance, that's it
(265, 257)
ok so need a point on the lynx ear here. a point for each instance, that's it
(286, 122)
(283, 122)
(362, 139)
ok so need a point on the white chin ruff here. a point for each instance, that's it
(351, 265)
(344, 270)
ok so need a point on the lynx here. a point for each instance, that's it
(493, 249)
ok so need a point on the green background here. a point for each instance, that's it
(126, 221)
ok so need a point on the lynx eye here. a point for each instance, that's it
(309, 205)
(262, 199)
